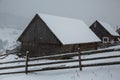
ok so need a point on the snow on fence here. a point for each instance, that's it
(80, 60)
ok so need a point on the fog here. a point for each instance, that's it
(86, 10)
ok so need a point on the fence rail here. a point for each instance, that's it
(79, 54)
(43, 69)
(98, 58)
(61, 55)
(101, 64)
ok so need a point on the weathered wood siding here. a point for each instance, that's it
(38, 39)
(38, 32)
(88, 46)
(101, 32)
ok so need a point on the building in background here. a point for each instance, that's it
(105, 32)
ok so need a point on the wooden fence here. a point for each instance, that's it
(79, 60)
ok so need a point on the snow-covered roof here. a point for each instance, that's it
(69, 31)
(109, 28)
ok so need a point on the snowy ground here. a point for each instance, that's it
(91, 73)
(102, 73)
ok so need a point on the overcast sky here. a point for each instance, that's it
(86, 10)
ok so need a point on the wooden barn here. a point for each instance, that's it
(47, 35)
(105, 32)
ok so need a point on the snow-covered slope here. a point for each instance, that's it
(9, 35)
(11, 27)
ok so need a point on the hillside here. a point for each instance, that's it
(8, 37)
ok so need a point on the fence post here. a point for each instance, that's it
(79, 56)
(26, 64)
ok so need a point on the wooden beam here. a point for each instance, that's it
(43, 69)
(26, 64)
(79, 57)
(98, 51)
(54, 68)
(98, 58)
(12, 62)
(101, 64)
(50, 63)
(39, 64)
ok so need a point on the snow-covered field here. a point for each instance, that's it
(101, 73)
(91, 73)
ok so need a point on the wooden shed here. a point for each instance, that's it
(105, 32)
(47, 34)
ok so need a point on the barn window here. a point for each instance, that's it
(105, 39)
